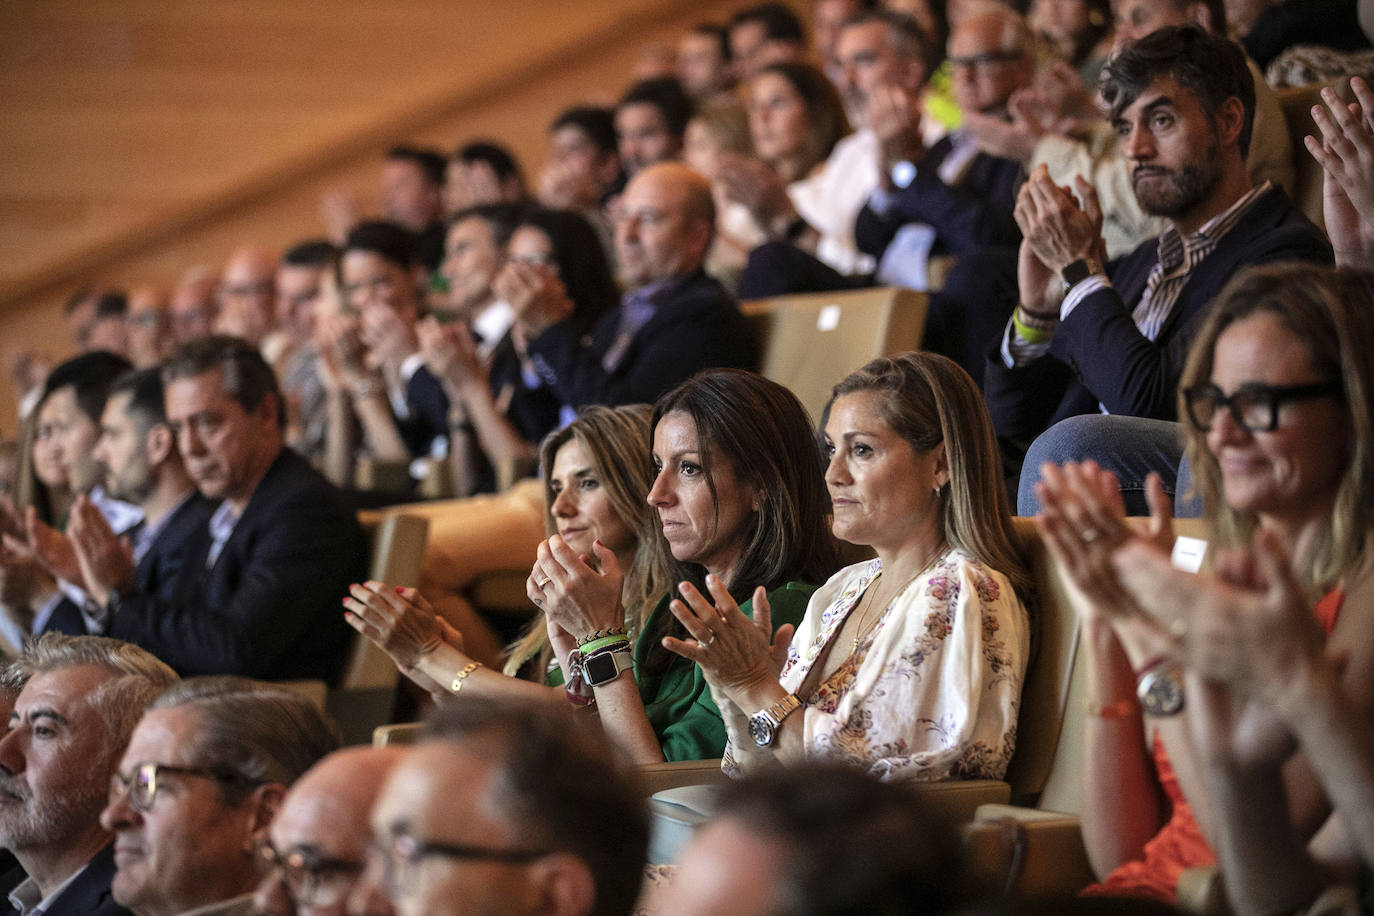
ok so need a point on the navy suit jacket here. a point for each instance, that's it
(156, 573)
(88, 895)
(270, 606)
(973, 213)
(696, 325)
(1099, 355)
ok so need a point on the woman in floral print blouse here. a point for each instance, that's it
(909, 664)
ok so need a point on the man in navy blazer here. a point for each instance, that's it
(258, 590)
(673, 322)
(1088, 338)
(80, 700)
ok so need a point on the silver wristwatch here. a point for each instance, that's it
(763, 725)
(604, 667)
(1160, 691)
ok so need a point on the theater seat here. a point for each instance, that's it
(812, 341)
(1035, 847)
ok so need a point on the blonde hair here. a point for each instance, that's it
(726, 123)
(929, 399)
(1318, 305)
(615, 440)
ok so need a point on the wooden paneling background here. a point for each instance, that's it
(142, 137)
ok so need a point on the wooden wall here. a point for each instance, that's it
(143, 137)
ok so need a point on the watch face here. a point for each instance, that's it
(761, 730)
(1160, 692)
(903, 174)
(598, 669)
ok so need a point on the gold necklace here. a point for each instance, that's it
(863, 630)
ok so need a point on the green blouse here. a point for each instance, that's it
(678, 702)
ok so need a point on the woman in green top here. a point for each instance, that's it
(745, 502)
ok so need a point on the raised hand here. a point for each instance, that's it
(1058, 229)
(399, 620)
(51, 547)
(535, 293)
(106, 560)
(450, 352)
(736, 653)
(759, 189)
(574, 596)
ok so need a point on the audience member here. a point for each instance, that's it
(673, 321)
(913, 473)
(583, 165)
(412, 196)
(78, 705)
(828, 18)
(1268, 27)
(815, 216)
(718, 131)
(1058, 124)
(257, 586)
(247, 298)
(1088, 338)
(703, 62)
(768, 33)
(795, 118)
(771, 848)
(316, 849)
(201, 779)
(650, 119)
(95, 320)
(373, 368)
(1077, 32)
(504, 407)
(1279, 442)
(194, 306)
(149, 326)
(501, 784)
(300, 309)
(482, 172)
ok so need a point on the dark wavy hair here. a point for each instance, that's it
(582, 263)
(762, 432)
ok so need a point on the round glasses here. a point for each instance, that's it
(1253, 406)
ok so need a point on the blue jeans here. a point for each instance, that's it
(1129, 447)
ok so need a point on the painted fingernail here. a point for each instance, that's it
(400, 589)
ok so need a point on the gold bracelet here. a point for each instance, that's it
(457, 686)
(1121, 709)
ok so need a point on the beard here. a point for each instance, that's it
(27, 821)
(1179, 192)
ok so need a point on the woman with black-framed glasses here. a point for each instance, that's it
(1276, 423)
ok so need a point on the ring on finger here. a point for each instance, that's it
(1088, 535)
(541, 584)
(707, 642)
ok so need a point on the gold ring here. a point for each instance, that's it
(543, 584)
(709, 641)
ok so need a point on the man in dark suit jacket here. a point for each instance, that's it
(139, 463)
(70, 724)
(1086, 337)
(673, 322)
(258, 590)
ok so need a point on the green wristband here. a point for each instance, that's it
(598, 644)
(1027, 333)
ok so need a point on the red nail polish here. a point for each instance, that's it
(400, 589)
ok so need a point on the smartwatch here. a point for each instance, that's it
(763, 725)
(1080, 270)
(604, 667)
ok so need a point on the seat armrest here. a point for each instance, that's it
(1028, 852)
(655, 777)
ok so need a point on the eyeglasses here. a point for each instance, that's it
(404, 853)
(142, 785)
(311, 879)
(985, 60)
(1253, 406)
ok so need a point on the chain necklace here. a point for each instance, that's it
(865, 629)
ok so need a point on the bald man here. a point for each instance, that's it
(193, 307)
(319, 838)
(673, 320)
(247, 295)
